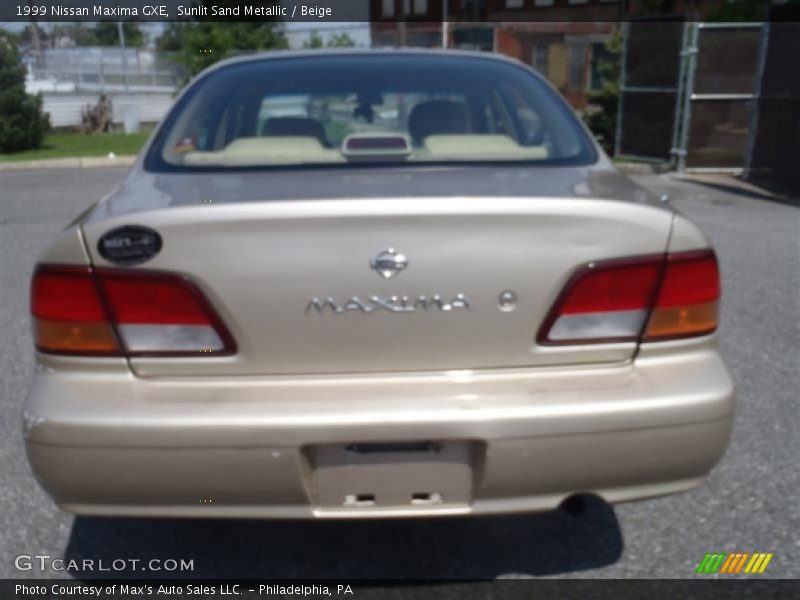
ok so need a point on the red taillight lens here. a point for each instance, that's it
(687, 299)
(615, 301)
(613, 287)
(68, 314)
(162, 313)
(605, 301)
(154, 299)
(79, 311)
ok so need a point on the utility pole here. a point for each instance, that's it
(36, 43)
(121, 31)
(400, 15)
(445, 16)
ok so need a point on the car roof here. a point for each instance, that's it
(268, 55)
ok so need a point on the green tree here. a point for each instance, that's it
(106, 33)
(340, 40)
(78, 32)
(337, 40)
(314, 41)
(601, 117)
(170, 40)
(740, 10)
(652, 8)
(201, 42)
(23, 124)
(27, 36)
(9, 37)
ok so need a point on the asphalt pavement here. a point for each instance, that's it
(749, 503)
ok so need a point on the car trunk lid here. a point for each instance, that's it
(303, 287)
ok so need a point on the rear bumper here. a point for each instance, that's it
(106, 442)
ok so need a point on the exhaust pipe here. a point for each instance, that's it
(574, 505)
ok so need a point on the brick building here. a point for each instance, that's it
(563, 39)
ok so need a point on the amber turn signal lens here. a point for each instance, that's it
(688, 298)
(72, 337)
(682, 321)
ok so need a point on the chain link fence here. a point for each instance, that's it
(100, 69)
(715, 97)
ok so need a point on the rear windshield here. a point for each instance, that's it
(346, 109)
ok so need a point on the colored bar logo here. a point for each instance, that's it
(735, 563)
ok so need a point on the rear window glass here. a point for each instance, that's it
(346, 109)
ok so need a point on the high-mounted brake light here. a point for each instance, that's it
(78, 310)
(644, 298)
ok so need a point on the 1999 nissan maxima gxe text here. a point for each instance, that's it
(369, 284)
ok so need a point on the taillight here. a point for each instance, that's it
(68, 315)
(645, 298)
(78, 310)
(604, 301)
(687, 298)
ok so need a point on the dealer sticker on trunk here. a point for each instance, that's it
(129, 245)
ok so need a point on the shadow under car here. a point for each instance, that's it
(583, 535)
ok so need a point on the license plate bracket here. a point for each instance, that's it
(393, 475)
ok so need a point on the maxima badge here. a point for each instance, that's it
(129, 245)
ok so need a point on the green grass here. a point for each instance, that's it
(68, 145)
